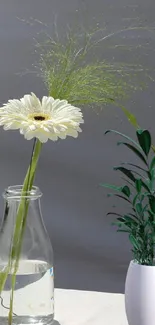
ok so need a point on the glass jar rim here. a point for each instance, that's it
(16, 192)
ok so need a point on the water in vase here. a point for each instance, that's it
(33, 295)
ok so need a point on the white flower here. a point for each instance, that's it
(47, 119)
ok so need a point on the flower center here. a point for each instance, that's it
(39, 117)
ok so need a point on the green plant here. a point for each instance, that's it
(72, 69)
(139, 192)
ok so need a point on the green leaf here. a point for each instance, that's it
(128, 222)
(134, 216)
(112, 187)
(139, 208)
(144, 139)
(124, 136)
(131, 118)
(153, 148)
(145, 207)
(151, 174)
(134, 241)
(121, 219)
(141, 231)
(114, 213)
(123, 230)
(152, 203)
(122, 197)
(116, 223)
(151, 216)
(146, 186)
(135, 199)
(135, 150)
(138, 185)
(136, 173)
(127, 173)
(126, 190)
(152, 164)
(134, 165)
(130, 219)
(121, 224)
(126, 218)
(128, 182)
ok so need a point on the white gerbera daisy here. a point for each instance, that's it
(46, 119)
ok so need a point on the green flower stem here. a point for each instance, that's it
(27, 186)
(28, 181)
(21, 221)
(21, 218)
(18, 251)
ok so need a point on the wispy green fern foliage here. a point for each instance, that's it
(71, 70)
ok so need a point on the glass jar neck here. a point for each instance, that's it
(16, 192)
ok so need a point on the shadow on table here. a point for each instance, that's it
(55, 322)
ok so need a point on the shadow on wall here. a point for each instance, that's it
(84, 268)
(88, 253)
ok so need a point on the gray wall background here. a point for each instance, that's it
(89, 254)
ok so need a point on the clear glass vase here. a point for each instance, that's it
(33, 301)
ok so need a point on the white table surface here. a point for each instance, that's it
(75, 307)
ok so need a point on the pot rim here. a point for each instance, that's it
(135, 263)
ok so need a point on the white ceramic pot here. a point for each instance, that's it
(140, 294)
